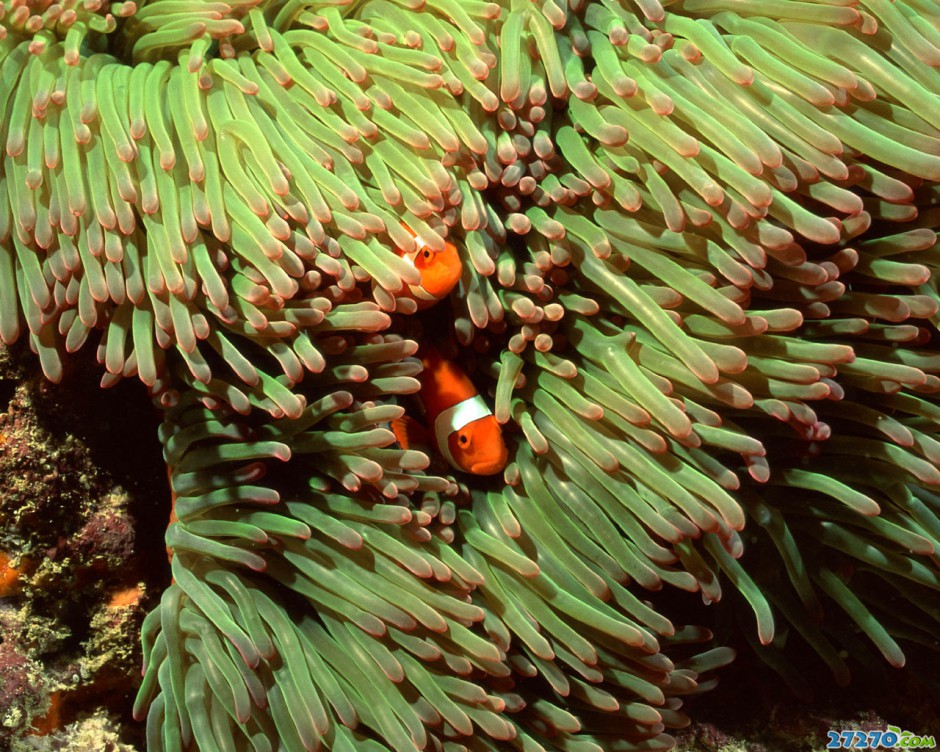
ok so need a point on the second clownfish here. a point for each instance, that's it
(440, 272)
(460, 424)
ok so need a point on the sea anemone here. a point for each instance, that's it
(684, 290)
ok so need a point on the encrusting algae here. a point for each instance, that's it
(697, 290)
(69, 519)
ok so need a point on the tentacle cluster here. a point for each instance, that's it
(723, 279)
(683, 285)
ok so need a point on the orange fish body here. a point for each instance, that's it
(440, 272)
(464, 428)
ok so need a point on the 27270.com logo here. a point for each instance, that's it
(891, 738)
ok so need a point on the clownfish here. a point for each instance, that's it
(462, 426)
(440, 272)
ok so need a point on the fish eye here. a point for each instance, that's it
(463, 439)
(426, 254)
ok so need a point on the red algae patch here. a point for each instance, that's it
(10, 576)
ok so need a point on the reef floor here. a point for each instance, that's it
(83, 502)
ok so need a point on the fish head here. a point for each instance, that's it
(478, 447)
(440, 272)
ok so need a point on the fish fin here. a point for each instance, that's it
(410, 433)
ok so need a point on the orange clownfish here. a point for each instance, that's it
(440, 272)
(463, 428)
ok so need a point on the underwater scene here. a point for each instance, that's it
(466, 376)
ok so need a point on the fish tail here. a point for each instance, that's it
(399, 427)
